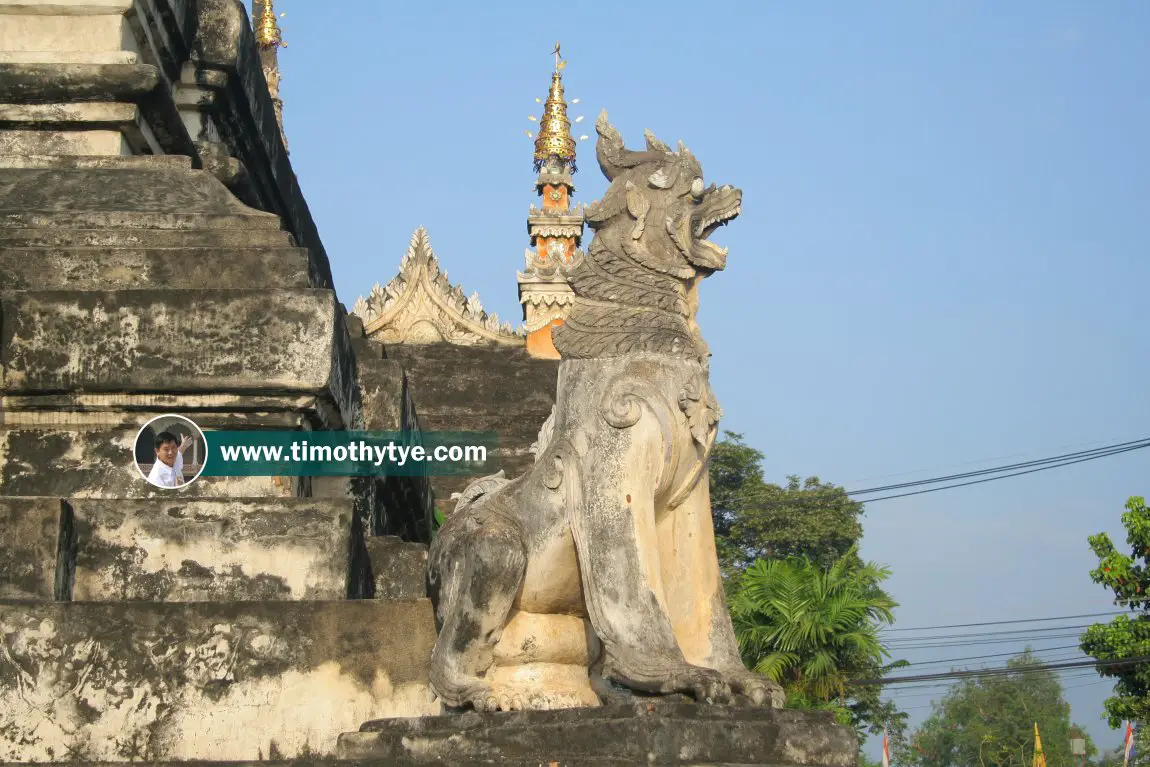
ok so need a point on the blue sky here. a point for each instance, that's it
(942, 258)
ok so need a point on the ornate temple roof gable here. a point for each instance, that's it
(420, 305)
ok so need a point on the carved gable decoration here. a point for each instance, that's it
(421, 306)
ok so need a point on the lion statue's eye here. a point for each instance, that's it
(697, 188)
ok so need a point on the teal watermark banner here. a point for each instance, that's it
(258, 453)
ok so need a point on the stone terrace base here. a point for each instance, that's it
(147, 681)
(630, 733)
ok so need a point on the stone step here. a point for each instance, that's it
(35, 529)
(156, 195)
(238, 681)
(117, 219)
(171, 340)
(644, 732)
(398, 569)
(81, 444)
(76, 162)
(144, 238)
(381, 384)
(209, 550)
(354, 326)
(44, 82)
(80, 268)
(186, 550)
(95, 458)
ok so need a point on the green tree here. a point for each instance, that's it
(755, 519)
(1128, 576)
(988, 720)
(814, 628)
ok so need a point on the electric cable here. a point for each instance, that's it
(973, 634)
(736, 501)
(1058, 449)
(1000, 671)
(1098, 452)
(1005, 622)
(991, 655)
(1005, 476)
(977, 642)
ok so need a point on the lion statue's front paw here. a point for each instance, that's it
(761, 690)
(706, 685)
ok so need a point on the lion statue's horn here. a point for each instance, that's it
(612, 155)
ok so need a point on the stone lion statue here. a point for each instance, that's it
(598, 566)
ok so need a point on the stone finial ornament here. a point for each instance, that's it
(597, 569)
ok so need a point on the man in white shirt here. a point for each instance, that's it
(168, 470)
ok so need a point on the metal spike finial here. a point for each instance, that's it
(554, 137)
(268, 33)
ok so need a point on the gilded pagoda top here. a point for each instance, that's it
(554, 136)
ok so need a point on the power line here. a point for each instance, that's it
(1003, 623)
(1087, 684)
(1096, 452)
(976, 642)
(991, 655)
(1006, 476)
(922, 689)
(1015, 470)
(941, 688)
(1001, 671)
(974, 634)
(986, 460)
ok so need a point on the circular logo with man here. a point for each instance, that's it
(170, 451)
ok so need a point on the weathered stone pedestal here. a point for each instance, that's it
(639, 732)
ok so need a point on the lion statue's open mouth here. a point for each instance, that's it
(717, 207)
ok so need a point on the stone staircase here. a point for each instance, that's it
(512, 399)
(234, 619)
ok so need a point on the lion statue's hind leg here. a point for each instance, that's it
(477, 565)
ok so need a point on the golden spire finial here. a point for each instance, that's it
(554, 138)
(267, 30)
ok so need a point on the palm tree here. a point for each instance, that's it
(812, 628)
